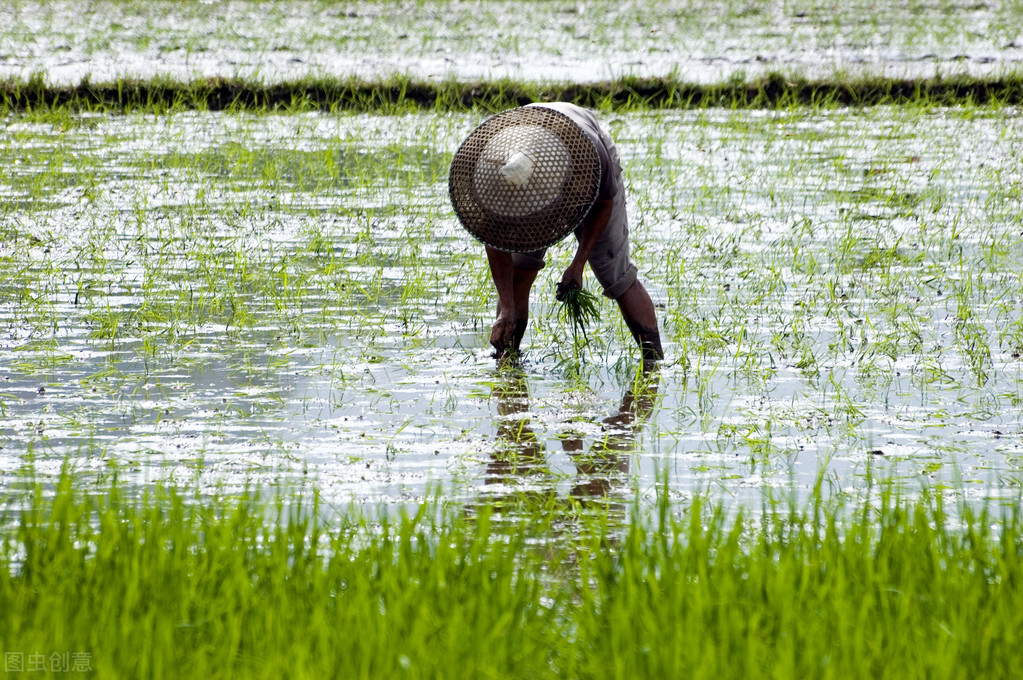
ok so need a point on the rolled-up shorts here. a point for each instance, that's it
(609, 260)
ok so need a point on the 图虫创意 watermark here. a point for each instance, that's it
(42, 662)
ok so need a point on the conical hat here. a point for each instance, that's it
(524, 179)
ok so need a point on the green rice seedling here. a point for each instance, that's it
(579, 307)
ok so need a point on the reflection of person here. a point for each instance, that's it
(605, 458)
(520, 452)
(599, 469)
(602, 235)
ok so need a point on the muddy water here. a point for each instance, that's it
(561, 41)
(256, 301)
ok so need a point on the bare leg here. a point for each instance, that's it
(522, 284)
(513, 285)
(638, 311)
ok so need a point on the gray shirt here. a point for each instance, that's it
(611, 184)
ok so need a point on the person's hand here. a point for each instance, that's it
(502, 335)
(572, 278)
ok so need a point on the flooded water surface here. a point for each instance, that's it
(564, 41)
(231, 301)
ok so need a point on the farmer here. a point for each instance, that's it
(520, 183)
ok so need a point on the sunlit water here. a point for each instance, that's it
(232, 301)
(571, 41)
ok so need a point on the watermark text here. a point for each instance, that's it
(47, 662)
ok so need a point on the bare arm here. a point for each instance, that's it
(590, 232)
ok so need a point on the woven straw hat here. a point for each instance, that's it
(524, 179)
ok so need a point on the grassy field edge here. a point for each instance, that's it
(164, 586)
(398, 94)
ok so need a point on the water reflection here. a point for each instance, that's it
(521, 459)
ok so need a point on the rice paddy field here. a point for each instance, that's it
(560, 40)
(250, 425)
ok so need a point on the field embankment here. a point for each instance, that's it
(398, 93)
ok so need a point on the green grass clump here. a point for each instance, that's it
(171, 586)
